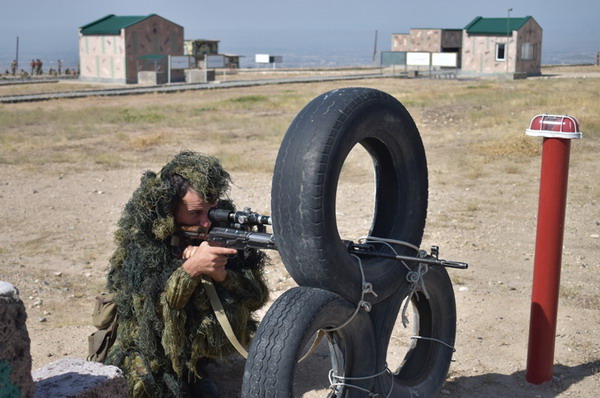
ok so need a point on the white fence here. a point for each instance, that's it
(447, 60)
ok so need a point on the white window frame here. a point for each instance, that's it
(498, 46)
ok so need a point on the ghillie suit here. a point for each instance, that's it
(166, 324)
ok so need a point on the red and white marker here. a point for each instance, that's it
(558, 131)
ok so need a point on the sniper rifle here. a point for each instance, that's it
(247, 230)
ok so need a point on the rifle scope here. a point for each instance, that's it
(246, 217)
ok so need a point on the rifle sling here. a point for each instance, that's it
(217, 307)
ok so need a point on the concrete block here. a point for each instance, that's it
(194, 76)
(199, 76)
(76, 378)
(519, 75)
(151, 78)
(15, 345)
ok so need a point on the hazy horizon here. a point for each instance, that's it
(311, 33)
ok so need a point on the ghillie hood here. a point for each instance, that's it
(204, 173)
(142, 257)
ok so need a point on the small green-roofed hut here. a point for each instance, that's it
(114, 49)
(511, 46)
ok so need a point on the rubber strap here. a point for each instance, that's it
(217, 307)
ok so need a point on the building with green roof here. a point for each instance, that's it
(508, 46)
(502, 46)
(114, 49)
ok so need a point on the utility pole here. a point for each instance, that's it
(17, 58)
(375, 49)
(508, 34)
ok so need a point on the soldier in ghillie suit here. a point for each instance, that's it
(167, 330)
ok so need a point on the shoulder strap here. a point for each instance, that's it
(217, 307)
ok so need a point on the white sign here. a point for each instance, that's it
(417, 59)
(181, 62)
(261, 58)
(215, 61)
(444, 59)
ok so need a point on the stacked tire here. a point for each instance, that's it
(304, 188)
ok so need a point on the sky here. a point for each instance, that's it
(318, 31)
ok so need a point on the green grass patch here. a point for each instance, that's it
(203, 109)
(478, 86)
(249, 99)
(144, 115)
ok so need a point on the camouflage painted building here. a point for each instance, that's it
(502, 45)
(428, 40)
(198, 48)
(485, 46)
(114, 49)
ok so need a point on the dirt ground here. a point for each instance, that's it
(56, 237)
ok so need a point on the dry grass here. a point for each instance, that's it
(245, 126)
(50, 87)
(552, 69)
(512, 146)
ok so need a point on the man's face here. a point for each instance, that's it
(191, 212)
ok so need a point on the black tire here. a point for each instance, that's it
(425, 365)
(305, 182)
(285, 334)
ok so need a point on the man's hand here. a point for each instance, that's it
(207, 260)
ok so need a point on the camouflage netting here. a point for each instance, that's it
(166, 324)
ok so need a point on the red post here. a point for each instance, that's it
(549, 241)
